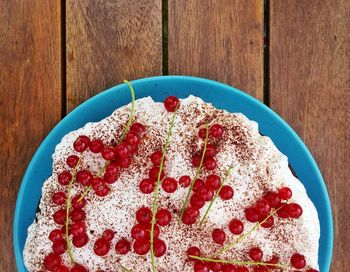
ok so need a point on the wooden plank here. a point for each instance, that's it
(30, 97)
(310, 88)
(220, 40)
(110, 41)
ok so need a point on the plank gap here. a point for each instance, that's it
(165, 52)
(63, 60)
(266, 48)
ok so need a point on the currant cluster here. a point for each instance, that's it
(53, 262)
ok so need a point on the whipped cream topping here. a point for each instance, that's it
(258, 167)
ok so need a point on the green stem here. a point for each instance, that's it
(238, 262)
(127, 127)
(156, 189)
(243, 236)
(184, 206)
(216, 195)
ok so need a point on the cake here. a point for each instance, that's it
(246, 211)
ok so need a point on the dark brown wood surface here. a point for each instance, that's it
(55, 54)
(220, 40)
(310, 89)
(30, 97)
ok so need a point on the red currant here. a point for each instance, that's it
(139, 231)
(261, 269)
(200, 266)
(251, 214)
(294, 210)
(110, 178)
(274, 260)
(141, 246)
(78, 228)
(210, 163)
(216, 131)
(197, 185)
(109, 153)
(216, 267)
(124, 162)
(202, 133)
(190, 216)
(193, 251)
(205, 194)
(72, 160)
(51, 261)
(268, 223)
(133, 138)
(236, 226)
(213, 182)
(55, 235)
(144, 215)
(255, 254)
(64, 178)
(96, 146)
(112, 169)
(101, 247)
(84, 177)
(77, 215)
(185, 181)
(60, 217)
(210, 151)
(196, 160)
(59, 247)
(78, 202)
(228, 268)
(169, 185)
(241, 269)
(122, 246)
(137, 127)
(196, 201)
(78, 268)
(263, 207)
(156, 157)
(219, 236)
(108, 235)
(171, 103)
(298, 261)
(273, 199)
(103, 190)
(81, 143)
(133, 148)
(285, 193)
(61, 268)
(226, 192)
(146, 186)
(282, 212)
(59, 198)
(163, 217)
(153, 173)
(122, 150)
(159, 247)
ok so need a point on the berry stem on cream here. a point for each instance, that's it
(131, 116)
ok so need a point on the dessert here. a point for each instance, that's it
(173, 186)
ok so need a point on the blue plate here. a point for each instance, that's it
(222, 96)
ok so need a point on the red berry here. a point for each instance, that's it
(96, 183)
(101, 247)
(202, 133)
(260, 269)
(64, 178)
(216, 131)
(298, 261)
(163, 217)
(236, 226)
(228, 268)
(205, 194)
(197, 185)
(268, 223)
(78, 268)
(263, 207)
(200, 266)
(219, 236)
(55, 235)
(169, 185)
(61, 268)
(63, 229)
(153, 173)
(110, 178)
(273, 199)
(274, 260)
(103, 190)
(196, 160)
(156, 157)
(282, 212)
(251, 214)
(137, 127)
(159, 247)
(84, 177)
(59, 198)
(216, 267)
(60, 217)
(311, 270)
(241, 269)
(96, 146)
(190, 216)
(132, 138)
(51, 261)
(144, 215)
(124, 162)
(109, 153)
(122, 150)
(133, 148)
(139, 231)
(59, 247)
(171, 103)
(72, 160)
(294, 210)
(255, 254)
(185, 181)
(146, 186)
(196, 201)
(112, 169)
(210, 163)
(141, 246)
(78, 228)
(285, 193)
(81, 143)
(78, 202)
(226, 192)
(77, 215)
(108, 235)
(122, 246)
(193, 251)
(210, 151)
(213, 182)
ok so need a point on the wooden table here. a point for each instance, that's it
(55, 54)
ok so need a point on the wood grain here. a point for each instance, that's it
(220, 40)
(310, 88)
(108, 41)
(30, 97)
